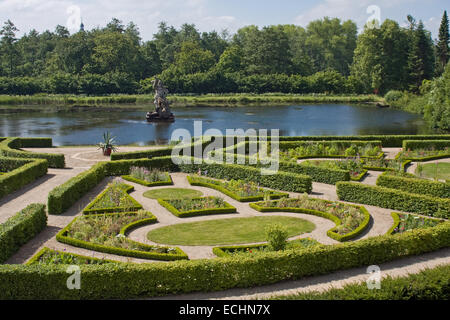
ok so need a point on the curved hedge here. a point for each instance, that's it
(168, 181)
(62, 237)
(274, 195)
(120, 281)
(332, 232)
(21, 228)
(393, 199)
(194, 213)
(136, 205)
(415, 185)
(10, 147)
(19, 173)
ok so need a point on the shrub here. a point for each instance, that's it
(120, 281)
(393, 96)
(21, 228)
(393, 199)
(10, 147)
(426, 145)
(276, 237)
(19, 173)
(414, 185)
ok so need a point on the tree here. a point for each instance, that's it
(420, 58)
(8, 47)
(442, 48)
(193, 59)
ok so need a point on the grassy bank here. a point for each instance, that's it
(213, 99)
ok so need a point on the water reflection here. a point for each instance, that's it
(71, 128)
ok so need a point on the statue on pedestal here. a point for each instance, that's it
(162, 105)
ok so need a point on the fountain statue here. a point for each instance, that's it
(162, 105)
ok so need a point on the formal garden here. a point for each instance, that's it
(139, 224)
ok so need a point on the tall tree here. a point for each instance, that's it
(421, 57)
(442, 48)
(8, 45)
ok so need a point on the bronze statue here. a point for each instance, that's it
(162, 105)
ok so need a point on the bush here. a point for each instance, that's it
(414, 185)
(277, 236)
(121, 281)
(393, 199)
(19, 173)
(9, 148)
(427, 145)
(21, 228)
(393, 96)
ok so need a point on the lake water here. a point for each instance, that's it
(130, 127)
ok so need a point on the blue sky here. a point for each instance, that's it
(210, 14)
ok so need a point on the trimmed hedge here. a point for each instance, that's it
(404, 164)
(396, 218)
(168, 181)
(120, 281)
(35, 259)
(420, 144)
(10, 147)
(415, 185)
(194, 213)
(21, 228)
(136, 205)
(393, 199)
(285, 181)
(62, 237)
(20, 172)
(332, 232)
(274, 195)
(360, 176)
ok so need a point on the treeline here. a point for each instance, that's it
(326, 56)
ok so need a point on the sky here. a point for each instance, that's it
(210, 15)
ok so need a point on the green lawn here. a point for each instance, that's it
(442, 171)
(226, 231)
(172, 193)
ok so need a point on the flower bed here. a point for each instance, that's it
(184, 208)
(239, 190)
(148, 178)
(353, 166)
(106, 233)
(254, 250)
(350, 220)
(406, 222)
(114, 199)
(53, 257)
(291, 151)
(385, 164)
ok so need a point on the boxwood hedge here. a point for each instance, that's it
(21, 228)
(428, 145)
(413, 185)
(167, 182)
(19, 172)
(194, 213)
(10, 147)
(393, 199)
(120, 281)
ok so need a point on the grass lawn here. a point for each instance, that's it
(172, 193)
(226, 231)
(442, 171)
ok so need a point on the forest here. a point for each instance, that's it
(328, 56)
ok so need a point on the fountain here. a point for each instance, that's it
(162, 105)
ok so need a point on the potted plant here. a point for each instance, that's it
(108, 145)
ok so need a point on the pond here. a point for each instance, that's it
(130, 126)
